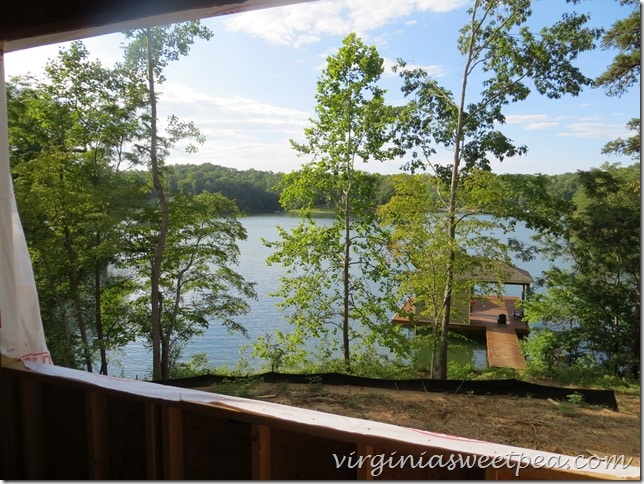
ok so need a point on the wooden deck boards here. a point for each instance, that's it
(503, 349)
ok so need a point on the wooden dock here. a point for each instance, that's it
(502, 340)
(503, 349)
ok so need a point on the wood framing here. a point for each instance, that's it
(66, 424)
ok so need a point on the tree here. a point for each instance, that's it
(496, 44)
(593, 302)
(198, 283)
(104, 104)
(337, 275)
(67, 137)
(625, 36)
(623, 73)
(149, 52)
(420, 246)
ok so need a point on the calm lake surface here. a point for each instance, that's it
(224, 349)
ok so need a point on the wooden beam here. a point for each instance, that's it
(364, 472)
(261, 449)
(9, 428)
(98, 436)
(33, 23)
(153, 441)
(172, 443)
(33, 424)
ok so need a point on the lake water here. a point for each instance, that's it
(224, 349)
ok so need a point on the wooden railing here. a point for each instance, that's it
(57, 423)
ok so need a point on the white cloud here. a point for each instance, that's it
(301, 24)
(540, 126)
(105, 48)
(595, 131)
(240, 132)
(533, 122)
(587, 127)
(228, 109)
(525, 118)
(244, 155)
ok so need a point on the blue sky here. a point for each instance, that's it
(251, 88)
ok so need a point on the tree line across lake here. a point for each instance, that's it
(257, 192)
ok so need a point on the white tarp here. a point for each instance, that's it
(21, 331)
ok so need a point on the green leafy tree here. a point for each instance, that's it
(591, 308)
(68, 135)
(104, 104)
(625, 36)
(336, 274)
(148, 53)
(510, 60)
(592, 305)
(420, 247)
(624, 72)
(198, 284)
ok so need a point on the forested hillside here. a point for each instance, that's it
(252, 190)
(256, 191)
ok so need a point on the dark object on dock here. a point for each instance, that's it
(517, 313)
(502, 319)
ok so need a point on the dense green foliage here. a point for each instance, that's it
(71, 137)
(591, 311)
(509, 61)
(67, 136)
(199, 284)
(625, 36)
(421, 249)
(253, 191)
(147, 54)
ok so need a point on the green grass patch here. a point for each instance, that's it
(238, 387)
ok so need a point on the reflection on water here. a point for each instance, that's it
(462, 350)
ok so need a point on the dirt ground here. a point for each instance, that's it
(561, 427)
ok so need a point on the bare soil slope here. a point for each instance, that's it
(562, 427)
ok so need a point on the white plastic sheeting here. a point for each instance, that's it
(21, 330)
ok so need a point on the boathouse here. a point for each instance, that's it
(497, 317)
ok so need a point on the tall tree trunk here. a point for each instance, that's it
(451, 231)
(451, 212)
(157, 259)
(449, 284)
(346, 287)
(165, 354)
(74, 287)
(74, 284)
(636, 344)
(347, 263)
(98, 315)
(68, 359)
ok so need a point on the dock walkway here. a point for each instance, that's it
(503, 349)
